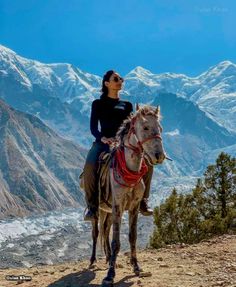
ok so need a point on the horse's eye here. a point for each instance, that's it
(146, 128)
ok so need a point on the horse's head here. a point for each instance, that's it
(147, 128)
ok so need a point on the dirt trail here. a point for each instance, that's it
(209, 263)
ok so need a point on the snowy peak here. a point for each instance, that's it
(213, 91)
(223, 69)
(62, 80)
(139, 72)
(6, 51)
(225, 65)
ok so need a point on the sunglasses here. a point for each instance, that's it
(117, 79)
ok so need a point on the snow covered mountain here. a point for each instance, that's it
(46, 90)
(214, 91)
(60, 80)
(39, 170)
(199, 113)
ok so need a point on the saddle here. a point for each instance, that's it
(104, 186)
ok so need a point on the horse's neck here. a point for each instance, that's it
(133, 159)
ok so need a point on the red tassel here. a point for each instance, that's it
(130, 178)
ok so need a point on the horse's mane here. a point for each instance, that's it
(143, 111)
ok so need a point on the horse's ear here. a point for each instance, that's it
(137, 106)
(158, 109)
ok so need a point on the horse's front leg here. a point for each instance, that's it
(95, 237)
(133, 219)
(115, 245)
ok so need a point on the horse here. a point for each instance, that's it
(139, 141)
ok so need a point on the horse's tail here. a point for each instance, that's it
(102, 227)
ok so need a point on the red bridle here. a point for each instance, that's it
(130, 178)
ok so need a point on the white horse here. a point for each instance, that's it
(139, 141)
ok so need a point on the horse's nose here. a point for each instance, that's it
(160, 156)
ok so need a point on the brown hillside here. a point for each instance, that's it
(209, 263)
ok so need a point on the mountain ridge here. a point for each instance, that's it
(38, 169)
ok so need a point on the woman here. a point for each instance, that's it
(110, 112)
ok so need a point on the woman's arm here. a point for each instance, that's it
(94, 120)
(130, 108)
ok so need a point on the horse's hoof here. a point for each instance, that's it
(137, 270)
(92, 261)
(107, 282)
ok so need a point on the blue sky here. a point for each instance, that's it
(182, 36)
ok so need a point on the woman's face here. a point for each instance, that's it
(115, 82)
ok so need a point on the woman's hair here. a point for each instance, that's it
(106, 78)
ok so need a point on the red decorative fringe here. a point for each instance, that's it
(131, 178)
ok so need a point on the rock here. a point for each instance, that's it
(164, 265)
(200, 261)
(63, 269)
(190, 273)
(127, 253)
(232, 267)
(145, 274)
(219, 283)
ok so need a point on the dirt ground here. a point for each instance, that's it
(209, 263)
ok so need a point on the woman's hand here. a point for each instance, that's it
(109, 140)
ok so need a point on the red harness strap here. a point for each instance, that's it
(130, 178)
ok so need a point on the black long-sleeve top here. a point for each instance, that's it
(110, 113)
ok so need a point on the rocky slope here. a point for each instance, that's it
(38, 169)
(210, 263)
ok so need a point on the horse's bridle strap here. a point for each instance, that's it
(150, 138)
(139, 148)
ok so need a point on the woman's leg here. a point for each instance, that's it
(91, 179)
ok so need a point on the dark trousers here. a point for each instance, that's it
(91, 175)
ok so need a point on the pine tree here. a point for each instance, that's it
(209, 210)
(220, 182)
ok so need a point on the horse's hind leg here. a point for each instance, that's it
(133, 218)
(115, 245)
(95, 237)
(107, 247)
